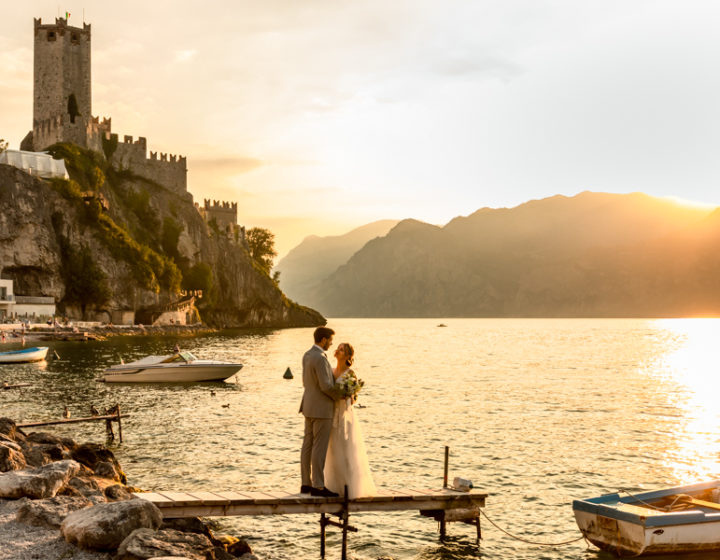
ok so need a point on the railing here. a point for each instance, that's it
(7, 297)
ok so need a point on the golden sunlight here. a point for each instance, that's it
(694, 366)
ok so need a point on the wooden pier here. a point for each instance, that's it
(444, 505)
(108, 418)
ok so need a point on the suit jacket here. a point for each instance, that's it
(320, 393)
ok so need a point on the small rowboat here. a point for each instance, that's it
(34, 354)
(673, 521)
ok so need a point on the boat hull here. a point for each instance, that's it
(37, 354)
(625, 538)
(631, 526)
(188, 373)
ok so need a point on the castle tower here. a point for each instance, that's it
(62, 71)
(62, 104)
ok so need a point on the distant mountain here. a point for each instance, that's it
(591, 255)
(308, 264)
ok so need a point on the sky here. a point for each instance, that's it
(318, 116)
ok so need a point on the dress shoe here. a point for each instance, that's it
(305, 489)
(323, 493)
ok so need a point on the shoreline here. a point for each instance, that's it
(61, 500)
(40, 332)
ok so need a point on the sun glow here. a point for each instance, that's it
(695, 366)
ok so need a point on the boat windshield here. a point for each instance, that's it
(188, 356)
(180, 357)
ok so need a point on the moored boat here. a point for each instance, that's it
(33, 354)
(181, 367)
(675, 520)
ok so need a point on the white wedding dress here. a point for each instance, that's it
(346, 461)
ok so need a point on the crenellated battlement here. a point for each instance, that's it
(61, 26)
(217, 205)
(223, 213)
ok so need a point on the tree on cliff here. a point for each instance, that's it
(261, 242)
(86, 283)
(3, 145)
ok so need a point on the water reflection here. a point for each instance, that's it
(692, 362)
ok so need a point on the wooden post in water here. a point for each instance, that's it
(447, 460)
(119, 422)
(345, 524)
(443, 523)
(323, 523)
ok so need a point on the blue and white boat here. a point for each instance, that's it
(672, 521)
(34, 354)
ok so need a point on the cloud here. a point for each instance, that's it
(185, 55)
(227, 165)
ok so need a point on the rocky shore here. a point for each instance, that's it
(60, 500)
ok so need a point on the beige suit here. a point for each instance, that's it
(318, 403)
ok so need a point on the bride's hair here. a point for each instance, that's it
(350, 352)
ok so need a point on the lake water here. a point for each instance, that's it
(536, 412)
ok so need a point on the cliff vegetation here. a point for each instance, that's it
(108, 241)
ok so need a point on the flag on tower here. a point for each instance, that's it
(67, 15)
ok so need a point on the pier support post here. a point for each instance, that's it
(119, 422)
(323, 524)
(345, 523)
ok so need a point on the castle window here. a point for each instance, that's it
(51, 36)
(75, 39)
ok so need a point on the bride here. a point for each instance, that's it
(346, 461)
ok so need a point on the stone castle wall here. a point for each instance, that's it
(84, 132)
(169, 170)
(224, 213)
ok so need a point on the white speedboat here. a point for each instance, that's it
(672, 521)
(181, 367)
(34, 354)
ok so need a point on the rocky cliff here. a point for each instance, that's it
(109, 241)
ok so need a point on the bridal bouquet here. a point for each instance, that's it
(351, 385)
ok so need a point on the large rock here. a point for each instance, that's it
(143, 543)
(9, 428)
(41, 482)
(105, 526)
(35, 456)
(106, 469)
(92, 454)
(11, 458)
(43, 437)
(85, 487)
(50, 512)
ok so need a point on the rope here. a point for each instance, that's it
(526, 540)
(645, 503)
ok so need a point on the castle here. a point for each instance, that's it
(62, 112)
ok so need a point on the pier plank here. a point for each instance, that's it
(178, 498)
(209, 498)
(154, 497)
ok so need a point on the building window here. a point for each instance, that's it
(51, 36)
(75, 39)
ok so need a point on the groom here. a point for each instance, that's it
(317, 405)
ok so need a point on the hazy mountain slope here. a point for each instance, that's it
(313, 260)
(594, 254)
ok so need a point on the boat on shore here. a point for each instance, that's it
(33, 354)
(181, 367)
(672, 521)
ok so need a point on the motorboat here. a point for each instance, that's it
(181, 367)
(34, 354)
(672, 521)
